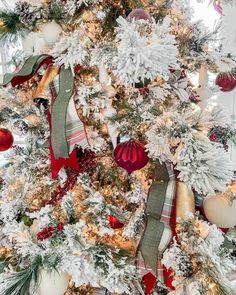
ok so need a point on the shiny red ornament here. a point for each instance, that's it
(6, 139)
(114, 222)
(131, 155)
(138, 14)
(226, 81)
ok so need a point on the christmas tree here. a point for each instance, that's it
(122, 182)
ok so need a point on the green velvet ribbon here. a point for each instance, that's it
(154, 227)
(59, 112)
(28, 69)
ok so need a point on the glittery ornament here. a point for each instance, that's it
(138, 14)
(131, 155)
(226, 81)
(77, 69)
(6, 139)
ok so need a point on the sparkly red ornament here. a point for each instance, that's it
(77, 69)
(131, 155)
(226, 81)
(114, 222)
(138, 14)
(6, 139)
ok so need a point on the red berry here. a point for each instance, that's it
(60, 227)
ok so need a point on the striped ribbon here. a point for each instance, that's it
(28, 70)
(75, 130)
(67, 130)
(158, 233)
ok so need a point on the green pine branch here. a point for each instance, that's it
(11, 24)
(20, 283)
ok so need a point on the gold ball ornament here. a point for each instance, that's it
(220, 210)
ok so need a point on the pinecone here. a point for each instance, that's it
(26, 12)
(20, 126)
(185, 266)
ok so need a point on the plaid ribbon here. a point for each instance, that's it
(75, 131)
(161, 198)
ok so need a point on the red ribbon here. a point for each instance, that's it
(57, 164)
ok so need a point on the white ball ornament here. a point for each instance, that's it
(51, 32)
(220, 210)
(53, 283)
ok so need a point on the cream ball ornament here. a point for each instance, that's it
(53, 283)
(51, 32)
(220, 210)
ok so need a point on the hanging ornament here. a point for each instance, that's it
(226, 81)
(131, 155)
(114, 222)
(77, 69)
(51, 32)
(6, 139)
(220, 210)
(53, 283)
(138, 14)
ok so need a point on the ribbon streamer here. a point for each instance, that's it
(59, 148)
(28, 70)
(58, 114)
(160, 203)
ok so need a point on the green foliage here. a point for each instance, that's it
(11, 24)
(26, 220)
(103, 255)
(3, 264)
(55, 11)
(19, 283)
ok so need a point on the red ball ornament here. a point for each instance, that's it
(226, 81)
(6, 139)
(114, 222)
(131, 155)
(138, 14)
(77, 69)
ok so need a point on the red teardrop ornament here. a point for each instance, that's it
(6, 139)
(226, 81)
(114, 222)
(131, 155)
